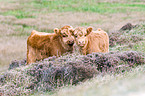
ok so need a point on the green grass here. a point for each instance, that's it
(140, 47)
(73, 6)
(87, 6)
(19, 14)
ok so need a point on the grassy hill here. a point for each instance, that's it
(119, 72)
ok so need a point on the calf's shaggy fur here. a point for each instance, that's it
(90, 41)
(41, 45)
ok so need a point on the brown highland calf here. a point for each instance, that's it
(41, 45)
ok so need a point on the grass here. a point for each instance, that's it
(137, 47)
(19, 14)
(12, 47)
(73, 6)
(87, 5)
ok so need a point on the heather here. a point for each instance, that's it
(52, 72)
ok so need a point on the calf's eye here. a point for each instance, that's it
(63, 36)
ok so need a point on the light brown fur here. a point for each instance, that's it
(41, 45)
(88, 41)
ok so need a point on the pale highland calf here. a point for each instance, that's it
(90, 41)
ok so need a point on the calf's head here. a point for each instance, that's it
(65, 34)
(80, 34)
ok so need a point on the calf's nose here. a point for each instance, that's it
(81, 42)
(70, 42)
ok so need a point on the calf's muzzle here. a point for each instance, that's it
(70, 42)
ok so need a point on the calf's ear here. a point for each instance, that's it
(56, 30)
(89, 30)
(99, 29)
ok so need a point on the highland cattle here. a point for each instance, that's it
(90, 41)
(41, 45)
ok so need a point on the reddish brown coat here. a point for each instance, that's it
(41, 45)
